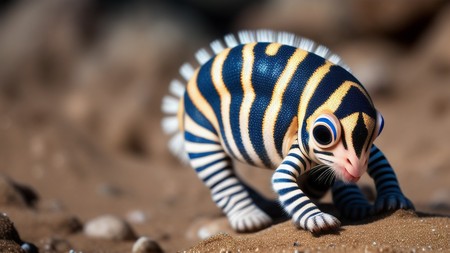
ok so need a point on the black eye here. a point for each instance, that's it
(322, 135)
(326, 130)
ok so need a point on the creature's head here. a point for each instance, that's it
(344, 143)
(339, 132)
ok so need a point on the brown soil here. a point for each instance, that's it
(403, 231)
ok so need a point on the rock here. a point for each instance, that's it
(8, 246)
(146, 245)
(29, 248)
(137, 217)
(7, 230)
(10, 240)
(204, 228)
(14, 194)
(109, 227)
(54, 244)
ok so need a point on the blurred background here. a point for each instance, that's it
(81, 83)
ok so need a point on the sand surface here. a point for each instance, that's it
(403, 231)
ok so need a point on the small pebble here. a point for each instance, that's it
(146, 245)
(29, 248)
(109, 227)
(56, 244)
(206, 227)
(137, 217)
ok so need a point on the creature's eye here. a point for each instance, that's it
(326, 130)
(380, 123)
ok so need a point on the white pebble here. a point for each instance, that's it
(146, 245)
(109, 227)
(204, 228)
(137, 217)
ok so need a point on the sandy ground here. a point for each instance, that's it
(80, 131)
(402, 231)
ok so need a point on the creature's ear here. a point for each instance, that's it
(380, 123)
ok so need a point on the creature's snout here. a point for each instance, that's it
(354, 168)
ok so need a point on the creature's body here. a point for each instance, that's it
(278, 101)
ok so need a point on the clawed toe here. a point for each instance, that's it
(392, 202)
(357, 211)
(250, 220)
(322, 223)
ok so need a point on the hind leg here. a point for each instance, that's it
(229, 193)
(350, 201)
(214, 168)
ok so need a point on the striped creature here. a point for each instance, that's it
(274, 100)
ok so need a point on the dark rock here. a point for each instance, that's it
(7, 246)
(15, 194)
(9, 237)
(29, 248)
(146, 245)
(7, 230)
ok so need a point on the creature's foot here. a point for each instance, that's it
(321, 222)
(391, 202)
(249, 219)
(357, 211)
(351, 202)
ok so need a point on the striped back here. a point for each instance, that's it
(260, 93)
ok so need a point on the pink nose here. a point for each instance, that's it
(356, 168)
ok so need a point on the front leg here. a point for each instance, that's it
(303, 212)
(389, 195)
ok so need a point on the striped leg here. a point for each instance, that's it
(313, 186)
(303, 212)
(389, 195)
(350, 201)
(214, 167)
(228, 192)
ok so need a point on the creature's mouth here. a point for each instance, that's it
(349, 177)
